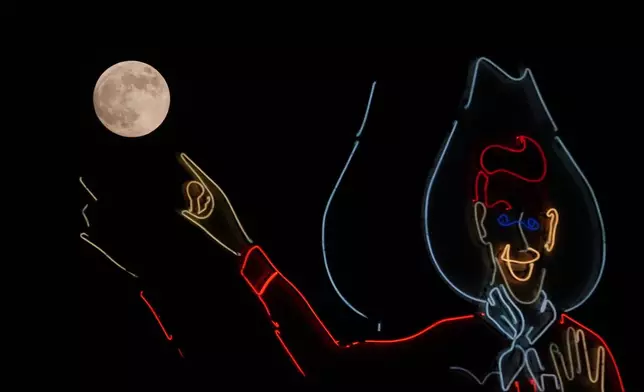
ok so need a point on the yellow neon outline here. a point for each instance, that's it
(84, 236)
(482, 232)
(574, 365)
(87, 189)
(553, 214)
(198, 173)
(505, 256)
(85, 216)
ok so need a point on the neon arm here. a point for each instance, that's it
(328, 204)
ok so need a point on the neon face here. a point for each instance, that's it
(516, 243)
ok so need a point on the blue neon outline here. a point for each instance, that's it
(503, 295)
(515, 375)
(526, 73)
(540, 387)
(328, 204)
(507, 222)
(480, 382)
(601, 226)
(545, 303)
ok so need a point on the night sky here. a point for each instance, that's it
(274, 130)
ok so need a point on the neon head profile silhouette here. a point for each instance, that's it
(536, 247)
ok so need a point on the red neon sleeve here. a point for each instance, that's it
(303, 336)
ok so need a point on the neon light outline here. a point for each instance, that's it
(535, 380)
(526, 73)
(507, 352)
(277, 272)
(512, 309)
(508, 223)
(156, 316)
(601, 340)
(85, 216)
(87, 189)
(196, 170)
(558, 359)
(553, 214)
(328, 204)
(85, 238)
(480, 382)
(482, 233)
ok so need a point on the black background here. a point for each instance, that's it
(274, 129)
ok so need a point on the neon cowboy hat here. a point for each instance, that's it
(506, 203)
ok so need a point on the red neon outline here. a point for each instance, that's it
(277, 273)
(534, 385)
(612, 358)
(297, 365)
(410, 337)
(169, 337)
(484, 172)
(516, 385)
(180, 353)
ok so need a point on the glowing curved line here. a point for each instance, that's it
(84, 236)
(428, 242)
(512, 309)
(601, 226)
(480, 382)
(191, 165)
(553, 214)
(328, 204)
(577, 337)
(520, 368)
(87, 189)
(526, 73)
(85, 216)
(539, 386)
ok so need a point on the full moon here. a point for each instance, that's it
(131, 99)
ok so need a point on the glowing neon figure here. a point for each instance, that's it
(209, 209)
(85, 237)
(518, 205)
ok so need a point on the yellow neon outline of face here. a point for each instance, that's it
(505, 257)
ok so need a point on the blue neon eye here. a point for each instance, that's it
(504, 220)
(531, 224)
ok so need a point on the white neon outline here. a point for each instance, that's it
(379, 326)
(526, 73)
(509, 351)
(428, 242)
(328, 204)
(196, 170)
(545, 302)
(540, 386)
(480, 227)
(601, 226)
(84, 236)
(569, 369)
(480, 382)
(85, 216)
(512, 309)
(87, 189)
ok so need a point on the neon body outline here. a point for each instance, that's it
(262, 287)
(328, 204)
(527, 73)
(85, 237)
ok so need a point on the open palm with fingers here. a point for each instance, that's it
(578, 366)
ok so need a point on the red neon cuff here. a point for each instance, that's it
(257, 270)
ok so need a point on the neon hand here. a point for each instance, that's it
(576, 366)
(504, 314)
(209, 209)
